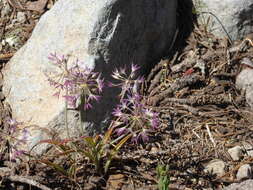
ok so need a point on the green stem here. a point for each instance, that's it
(82, 114)
(66, 118)
(66, 107)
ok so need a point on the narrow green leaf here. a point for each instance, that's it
(115, 151)
(56, 167)
(89, 155)
(72, 171)
(90, 142)
(107, 135)
(122, 142)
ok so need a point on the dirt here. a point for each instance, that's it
(202, 115)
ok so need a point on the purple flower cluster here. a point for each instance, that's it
(81, 83)
(16, 137)
(132, 115)
(78, 81)
(127, 81)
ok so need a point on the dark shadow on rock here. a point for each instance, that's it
(145, 43)
(185, 21)
(246, 15)
(185, 25)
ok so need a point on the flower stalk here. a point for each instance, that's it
(81, 84)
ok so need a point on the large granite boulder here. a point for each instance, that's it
(235, 15)
(105, 34)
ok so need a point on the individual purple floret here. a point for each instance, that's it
(14, 154)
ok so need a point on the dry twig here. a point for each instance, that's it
(185, 81)
(24, 179)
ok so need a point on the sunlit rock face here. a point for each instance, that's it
(235, 15)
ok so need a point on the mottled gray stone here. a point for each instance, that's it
(216, 167)
(235, 15)
(105, 34)
(245, 185)
(236, 153)
(244, 172)
(5, 9)
(244, 82)
(248, 148)
(21, 18)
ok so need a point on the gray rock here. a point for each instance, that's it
(248, 148)
(249, 96)
(236, 153)
(245, 185)
(244, 172)
(6, 9)
(104, 34)
(216, 167)
(235, 15)
(21, 18)
(244, 82)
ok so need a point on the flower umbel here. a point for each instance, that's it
(15, 137)
(136, 118)
(132, 115)
(78, 80)
(127, 80)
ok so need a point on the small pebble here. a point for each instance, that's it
(6, 10)
(154, 150)
(236, 153)
(248, 148)
(216, 167)
(244, 172)
(21, 17)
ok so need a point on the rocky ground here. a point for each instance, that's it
(205, 137)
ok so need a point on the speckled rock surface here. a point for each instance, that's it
(245, 185)
(244, 82)
(244, 172)
(216, 167)
(235, 15)
(236, 153)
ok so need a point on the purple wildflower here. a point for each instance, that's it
(87, 106)
(155, 122)
(134, 68)
(25, 135)
(122, 130)
(14, 154)
(132, 114)
(16, 136)
(134, 139)
(127, 80)
(143, 136)
(135, 117)
(13, 125)
(71, 100)
(117, 112)
(94, 97)
(78, 81)
(56, 59)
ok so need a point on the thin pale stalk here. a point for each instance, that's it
(82, 113)
(66, 105)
